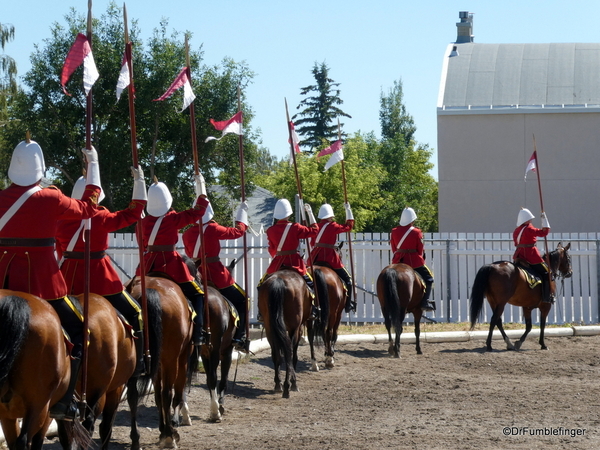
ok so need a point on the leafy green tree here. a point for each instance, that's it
(8, 72)
(317, 118)
(394, 118)
(318, 187)
(57, 121)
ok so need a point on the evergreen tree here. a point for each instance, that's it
(319, 112)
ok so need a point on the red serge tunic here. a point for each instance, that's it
(104, 279)
(327, 235)
(411, 249)
(290, 257)
(528, 238)
(169, 260)
(213, 232)
(33, 267)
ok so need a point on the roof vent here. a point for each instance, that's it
(464, 28)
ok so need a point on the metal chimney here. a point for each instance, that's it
(464, 28)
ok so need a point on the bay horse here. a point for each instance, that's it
(221, 320)
(34, 368)
(284, 302)
(400, 290)
(504, 283)
(110, 364)
(171, 340)
(332, 299)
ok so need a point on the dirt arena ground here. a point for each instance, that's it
(455, 395)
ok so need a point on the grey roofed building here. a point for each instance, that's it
(495, 101)
(260, 206)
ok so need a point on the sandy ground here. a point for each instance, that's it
(455, 395)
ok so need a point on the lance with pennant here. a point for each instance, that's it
(299, 188)
(86, 238)
(197, 172)
(134, 156)
(348, 233)
(243, 193)
(537, 164)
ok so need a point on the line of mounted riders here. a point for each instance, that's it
(37, 224)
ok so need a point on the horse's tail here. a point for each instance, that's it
(14, 317)
(281, 340)
(478, 292)
(395, 310)
(324, 304)
(156, 338)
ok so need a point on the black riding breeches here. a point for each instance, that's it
(71, 320)
(194, 294)
(128, 307)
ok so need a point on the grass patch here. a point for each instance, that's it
(434, 327)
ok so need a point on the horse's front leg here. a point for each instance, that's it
(544, 310)
(527, 315)
(417, 315)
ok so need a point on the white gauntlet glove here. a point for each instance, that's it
(349, 215)
(545, 223)
(93, 168)
(199, 185)
(241, 215)
(139, 185)
(309, 214)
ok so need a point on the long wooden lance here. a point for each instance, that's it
(197, 172)
(134, 157)
(244, 239)
(537, 169)
(86, 239)
(348, 233)
(299, 189)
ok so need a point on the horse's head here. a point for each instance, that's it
(562, 261)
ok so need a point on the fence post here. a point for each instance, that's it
(598, 278)
(448, 280)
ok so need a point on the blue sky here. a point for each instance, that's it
(367, 46)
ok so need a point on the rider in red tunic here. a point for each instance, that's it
(28, 223)
(407, 245)
(161, 232)
(217, 273)
(525, 237)
(324, 249)
(104, 279)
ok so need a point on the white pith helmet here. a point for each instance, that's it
(159, 199)
(408, 216)
(27, 164)
(79, 189)
(524, 216)
(282, 209)
(326, 211)
(208, 214)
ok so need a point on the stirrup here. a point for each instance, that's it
(314, 312)
(259, 317)
(202, 339)
(426, 307)
(242, 345)
(68, 413)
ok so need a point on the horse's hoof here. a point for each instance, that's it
(518, 345)
(294, 387)
(419, 352)
(221, 409)
(329, 363)
(545, 347)
(314, 367)
(286, 395)
(216, 419)
(278, 389)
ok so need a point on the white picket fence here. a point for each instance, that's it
(453, 257)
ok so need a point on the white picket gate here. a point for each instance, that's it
(454, 259)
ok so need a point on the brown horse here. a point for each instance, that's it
(400, 290)
(504, 283)
(221, 320)
(284, 302)
(171, 338)
(34, 367)
(332, 299)
(111, 363)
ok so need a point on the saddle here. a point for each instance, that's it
(524, 267)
